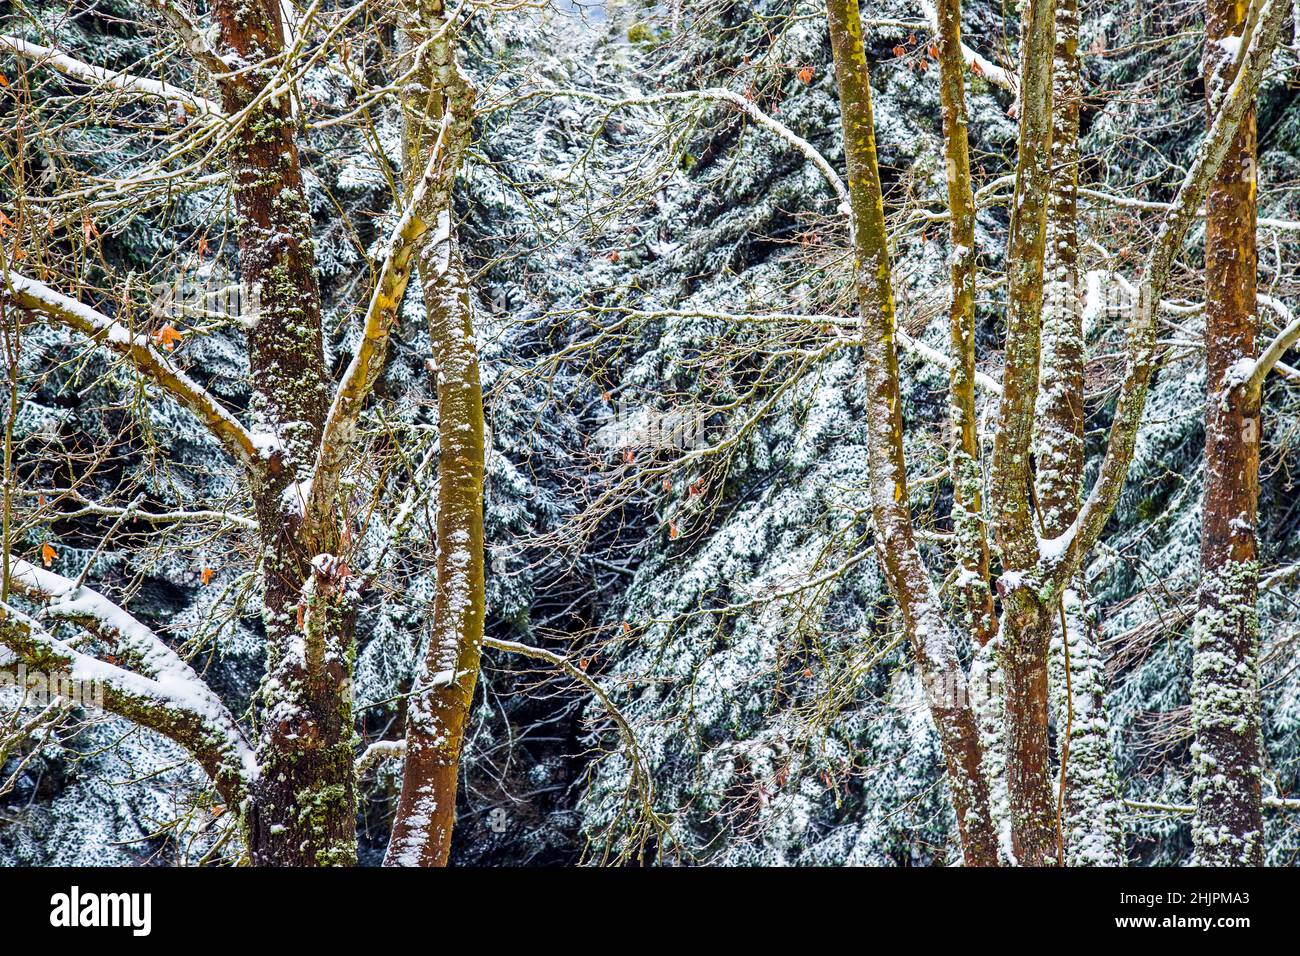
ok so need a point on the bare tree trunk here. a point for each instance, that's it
(1088, 801)
(927, 629)
(439, 118)
(303, 808)
(1027, 622)
(1225, 678)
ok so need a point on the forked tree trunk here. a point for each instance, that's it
(439, 118)
(927, 629)
(974, 595)
(1088, 801)
(303, 808)
(1227, 829)
(1028, 621)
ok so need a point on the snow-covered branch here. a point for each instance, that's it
(87, 506)
(1129, 202)
(979, 65)
(1278, 347)
(37, 297)
(70, 66)
(187, 31)
(379, 751)
(164, 694)
(1147, 806)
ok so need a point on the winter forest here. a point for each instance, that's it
(685, 433)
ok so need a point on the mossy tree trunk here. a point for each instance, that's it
(303, 807)
(1227, 829)
(439, 115)
(964, 451)
(1028, 620)
(974, 594)
(1088, 801)
(927, 628)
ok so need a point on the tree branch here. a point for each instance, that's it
(178, 707)
(190, 35)
(918, 348)
(143, 86)
(1283, 341)
(38, 297)
(338, 439)
(721, 95)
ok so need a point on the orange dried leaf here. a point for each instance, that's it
(806, 75)
(206, 576)
(900, 50)
(167, 337)
(48, 554)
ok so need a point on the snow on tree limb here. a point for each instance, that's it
(174, 703)
(87, 506)
(78, 69)
(1129, 202)
(1273, 352)
(1148, 806)
(188, 32)
(37, 297)
(978, 64)
(378, 751)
